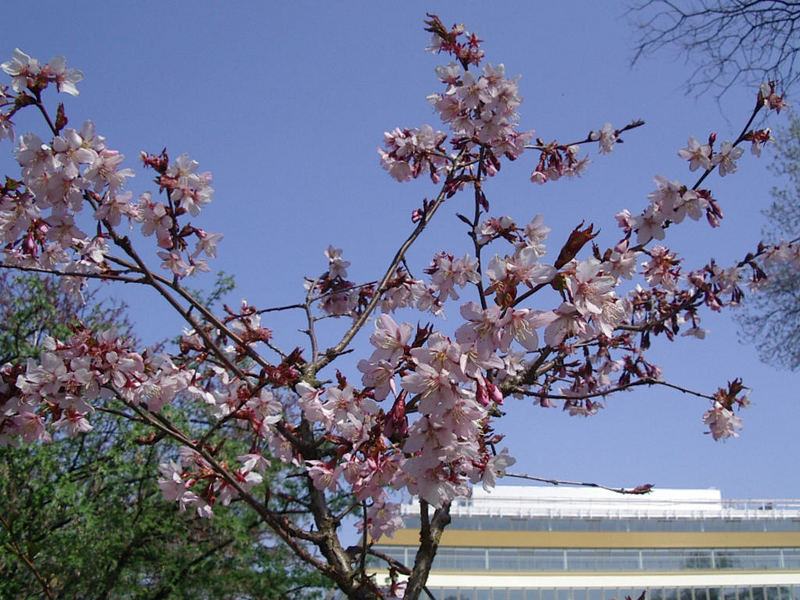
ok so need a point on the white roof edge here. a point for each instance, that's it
(585, 502)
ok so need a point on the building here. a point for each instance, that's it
(558, 543)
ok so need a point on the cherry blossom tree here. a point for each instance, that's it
(422, 413)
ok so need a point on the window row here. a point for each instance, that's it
(589, 524)
(603, 559)
(727, 593)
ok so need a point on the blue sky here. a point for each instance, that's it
(286, 102)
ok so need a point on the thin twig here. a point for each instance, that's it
(607, 391)
(336, 350)
(637, 491)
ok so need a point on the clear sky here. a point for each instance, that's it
(286, 102)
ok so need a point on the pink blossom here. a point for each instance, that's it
(30, 425)
(721, 421)
(607, 137)
(427, 381)
(383, 518)
(253, 462)
(449, 73)
(389, 338)
(662, 269)
(523, 325)
(325, 475)
(6, 127)
(447, 273)
(337, 265)
(207, 243)
(154, 219)
(104, 171)
(174, 262)
(649, 225)
(311, 405)
(494, 227)
(410, 153)
(115, 206)
(484, 328)
(769, 98)
(496, 468)
(378, 375)
(562, 323)
(698, 155)
(726, 158)
(622, 262)
(22, 68)
(66, 79)
(535, 235)
(521, 268)
(74, 422)
(691, 203)
(174, 487)
(590, 287)
(439, 353)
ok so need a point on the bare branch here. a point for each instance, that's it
(728, 42)
(637, 491)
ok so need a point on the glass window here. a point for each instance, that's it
(609, 560)
(563, 594)
(697, 559)
(460, 559)
(729, 593)
(511, 559)
(791, 558)
(548, 560)
(766, 558)
(612, 524)
(660, 560)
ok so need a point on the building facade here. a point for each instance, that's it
(554, 543)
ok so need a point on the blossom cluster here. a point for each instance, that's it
(669, 203)
(62, 387)
(479, 109)
(76, 172)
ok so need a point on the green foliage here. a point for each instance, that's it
(84, 518)
(223, 285)
(32, 307)
(771, 317)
